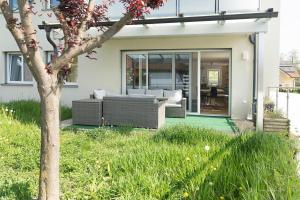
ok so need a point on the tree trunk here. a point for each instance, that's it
(50, 143)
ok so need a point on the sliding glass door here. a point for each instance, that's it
(182, 74)
(203, 76)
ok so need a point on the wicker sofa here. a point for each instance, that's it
(143, 111)
(175, 103)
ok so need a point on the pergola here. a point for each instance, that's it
(257, 31)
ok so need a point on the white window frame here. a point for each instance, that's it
(48, 58)
(8, 68)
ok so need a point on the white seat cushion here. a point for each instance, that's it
(174, 96)
(141, 96)
(99, 94)
(135, 91)
(156, 93)
(173, 105)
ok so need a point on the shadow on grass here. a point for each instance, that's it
(178, 185)
(232, 125)
(255, 169)
(17, 190)
(252, 167)
(190, 135)
(28, 111)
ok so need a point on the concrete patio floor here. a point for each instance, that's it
(217, 123)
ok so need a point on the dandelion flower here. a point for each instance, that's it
(185, 194)
(6, 109)
(207, 148)
(11, 111)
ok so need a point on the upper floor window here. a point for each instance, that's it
(17, 70)
(52, 3)
(72, 77)
(13, 4)
(238, 5)
(192, 7)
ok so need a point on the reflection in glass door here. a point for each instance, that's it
(160, 71)
(182, 74)
(136, 74)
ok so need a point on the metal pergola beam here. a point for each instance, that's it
(204, 18)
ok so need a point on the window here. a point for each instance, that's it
(13, 4)
(213, 77)
(17, 70)
(72, 77)
(192, 7)
(169, 9)
(238, 5)
(52, 3)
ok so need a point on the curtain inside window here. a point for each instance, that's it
(15, 68)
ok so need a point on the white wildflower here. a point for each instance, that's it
(207, 148)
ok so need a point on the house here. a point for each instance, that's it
(288, 76)
(231, 46)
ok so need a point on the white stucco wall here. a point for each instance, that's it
(272, 46)
(106, 71)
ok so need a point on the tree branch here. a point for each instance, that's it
(83, 27)
(63, 22)
(95, 42)
(33, 55)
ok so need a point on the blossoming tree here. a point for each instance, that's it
(76, 18)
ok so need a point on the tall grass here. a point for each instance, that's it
(28, 111)
(173, 163)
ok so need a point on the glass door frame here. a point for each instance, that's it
(124, 53)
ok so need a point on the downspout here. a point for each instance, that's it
(252, 39)
(48, 30)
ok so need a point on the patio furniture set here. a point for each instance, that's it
(139, 108)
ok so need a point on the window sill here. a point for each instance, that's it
(71, 86)
(18, 84)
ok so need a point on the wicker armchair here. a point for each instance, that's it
(176, 110)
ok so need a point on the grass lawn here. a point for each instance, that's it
(173, 163)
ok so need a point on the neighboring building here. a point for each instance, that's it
(289, 76)
(192, 56)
